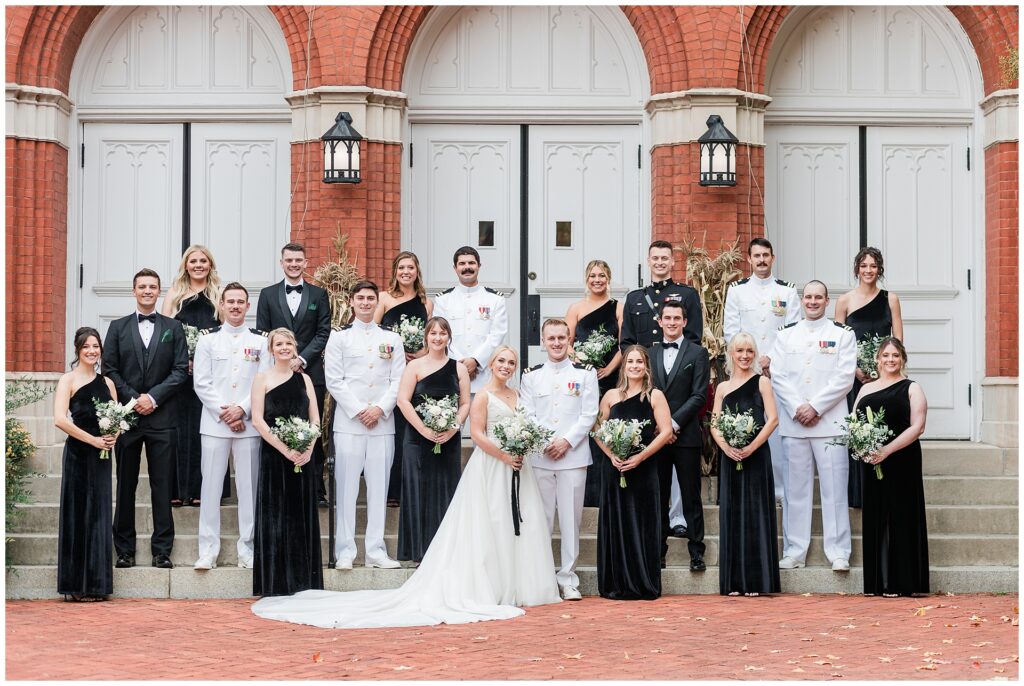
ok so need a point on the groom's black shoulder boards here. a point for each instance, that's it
(533, 368)
(580, 365)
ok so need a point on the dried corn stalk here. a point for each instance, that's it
(337, 276)
(711, 277)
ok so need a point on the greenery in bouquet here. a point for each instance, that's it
(593, 350)
(519, 435)
(623, 438)
(114, 419)
(737, 428)
(864, 433)
(439, 414)
(867, 355)
(191, 339)
(412, 331)
(296, 433)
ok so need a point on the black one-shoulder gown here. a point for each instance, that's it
(602, 319)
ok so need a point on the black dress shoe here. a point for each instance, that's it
(697, 563)
(663, 565)
(163, 562)
(322, 502)
(125, 560)
(679, 531)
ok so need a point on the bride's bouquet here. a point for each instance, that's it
(296, 433)
(114, 419)
(623, 437)
(592, 351)
(412, 330)
(439, 414)
(191, 339)
(519, 435)
(863, 435)
(737, 428)
(867, 355)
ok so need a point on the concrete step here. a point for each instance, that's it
(37, 582)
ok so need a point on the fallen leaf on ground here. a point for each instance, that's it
(797, 669)
(450, 649)
(981, 645)
(566, 616)
(948, 626)
(752, 668)
(929, 653)
(806, 595)
(848, 626)
(402, 668)
(925, 626)
(908, 648)
(936, 661)
(792, 662)
(999, 671)
(534, 659)
(657, 651)
(877, 624)
(655, 619)
(929, 667)
(317, 658)
(836, 674)
(833, 657)
(778, 650)
(626, 654)
(479, 638)
(885, 659)
(976, 664)
(922, 611)
(822, 662)
(743, 649)
(577, 656)
(947, 640)
(1005, 618)
(1004, 660)
(806, 639)
(700, 619)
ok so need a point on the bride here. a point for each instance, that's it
(476, 568)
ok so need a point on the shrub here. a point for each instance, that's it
(19, 448)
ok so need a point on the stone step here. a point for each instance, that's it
(40, 582)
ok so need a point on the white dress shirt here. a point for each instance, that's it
(145, 327)
(294, 298)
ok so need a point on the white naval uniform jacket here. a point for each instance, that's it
(563, 396)
(760, 307)
(363, 364)
(226, 361)
(479, 324)
(813, 362)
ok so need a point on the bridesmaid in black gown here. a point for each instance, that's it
(405, 296)
(878, 316)
(895, 526)
(84, 545)
(428, 479)
(629, 519)
(748, 554)
(287, 532)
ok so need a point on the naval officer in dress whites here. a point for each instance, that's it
(562, 396)
(227, 359)
(813, 365)
(363, 364)
(642, 309)
(761, 305)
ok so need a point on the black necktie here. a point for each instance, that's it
(670, 345)
(151, 318)
(289, 289)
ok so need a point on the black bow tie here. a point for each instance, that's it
(151, 318)
(670, 345)
(289, 289)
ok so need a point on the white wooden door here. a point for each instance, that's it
(584, 200)
(131, 214)
(465, 191)
(919, 211)
(239, 199)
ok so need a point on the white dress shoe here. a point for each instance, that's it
(205, 562)
(343, 564)
(790, 563)
(840, 565)
(245, 562)
(384, 563)
(570, 593)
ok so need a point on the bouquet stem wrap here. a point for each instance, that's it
(517, 516)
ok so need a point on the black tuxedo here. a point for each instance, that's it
(312, 328)
(685, 386)
(160, 370)
(642, 307)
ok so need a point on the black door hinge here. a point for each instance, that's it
(639, 157)
(81, 275)
(968, 159)
(81, 156)
(639, 278)
(410, 155)
(968, 279)
(969, 389)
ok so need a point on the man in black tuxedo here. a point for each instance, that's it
(681, 370)
(305, 310)
(146, 357)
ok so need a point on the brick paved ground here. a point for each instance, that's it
(677, 637)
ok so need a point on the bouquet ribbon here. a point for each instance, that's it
(517, 516)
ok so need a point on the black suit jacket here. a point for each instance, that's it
(685, 387)
(311, 323)
(639, 321)
(161, 375)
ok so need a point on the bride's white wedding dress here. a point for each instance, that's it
(475, 569)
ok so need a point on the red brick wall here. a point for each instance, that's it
(1001, 262)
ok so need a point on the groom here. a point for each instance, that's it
(562, 396)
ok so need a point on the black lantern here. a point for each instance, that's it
(341, 151)
(717, 154)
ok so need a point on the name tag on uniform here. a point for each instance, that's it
(251, 354)
(827, 347)
(778, 307)
(573, 388)
(485, 312)
(385, 351)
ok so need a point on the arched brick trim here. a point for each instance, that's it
(392, 41)
(762, 27)
(294, 23)
(47, 47)
(991, 29)
(660, 32)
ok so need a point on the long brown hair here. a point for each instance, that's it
(445, 326)
(647, 385)
(395, 290)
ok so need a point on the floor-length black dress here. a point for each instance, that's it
(874, 319)
(603, 316)
(748, 556)
(412, 308)
(428, 480)
(84, 544)
(895, 527)
(197, 311)
(287, 532)
(629, 520)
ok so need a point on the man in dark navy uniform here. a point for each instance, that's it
(640, 314)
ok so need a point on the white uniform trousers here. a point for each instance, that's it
(779, 474)
(833, 464)
(370, 456)
(563, 490)
(214, 464)
(675, 504)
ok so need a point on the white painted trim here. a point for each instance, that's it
(376, 113)
(41, 114)
(870, 116)
(194, 114)
(681, 116)
(554, 115)
(1001, 117)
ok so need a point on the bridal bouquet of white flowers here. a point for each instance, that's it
(519, 435)
(114, 419)
(737, 428)
(296, 433)
(412, 330)
(863, 434)
(439, 414)
(593, 350)
(622, 437)
(867, 355)
(191, 339)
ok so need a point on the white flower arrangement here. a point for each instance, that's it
(114, 419)
(622, 437)
(439, 414)
(296, 433)
(863, 434)
(867, 355)
(737, 428)
(412, 331)
(592, 351)
(191, 339)
(519, 435)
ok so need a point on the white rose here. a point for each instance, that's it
(296, 420)
(124, 426)
(104, 423)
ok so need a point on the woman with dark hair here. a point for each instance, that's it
(629, 519)
(404, 299)
(428, 479)
(84, 545)
(869, 311)
(895, 526)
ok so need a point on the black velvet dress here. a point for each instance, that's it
(287, 532)
(748, 556)
(874, 319)
(629, 521)
(602, 316)
(895, 527)
(199, 312)
(428, 480)
(410, 308)
(84, 544)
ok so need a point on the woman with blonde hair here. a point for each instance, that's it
(192, 299)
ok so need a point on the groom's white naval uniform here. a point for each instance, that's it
(563, 396)
(363, 364)
(479, 324)
(226, 360)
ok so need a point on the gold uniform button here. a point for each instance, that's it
(371, 365)
(654, 331)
